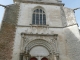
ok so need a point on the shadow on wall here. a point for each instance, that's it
(72, 42)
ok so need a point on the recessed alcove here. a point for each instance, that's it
(39, 51)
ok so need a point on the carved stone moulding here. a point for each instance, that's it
(39, 39)
(23, 33)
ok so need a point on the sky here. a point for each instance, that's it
(68, 3)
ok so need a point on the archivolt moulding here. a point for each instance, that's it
(46, 40)
(43, 43)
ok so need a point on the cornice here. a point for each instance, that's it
(44, 3)
(45, 26)
(23, 33)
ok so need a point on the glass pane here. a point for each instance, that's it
(44, 19)
(40, 19)
(43, 12)
(40, 11)
(37, 10)
(37, 19)
(33, 19)
(34, 11)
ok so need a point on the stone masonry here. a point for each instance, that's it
(8, 31)
(19, 38)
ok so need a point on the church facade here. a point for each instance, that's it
(39, 30)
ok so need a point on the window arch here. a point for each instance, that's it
(39, 17)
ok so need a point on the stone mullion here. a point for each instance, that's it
(39, 16)
(42, 17)
(35, 18)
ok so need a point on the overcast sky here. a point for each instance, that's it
(68, 3)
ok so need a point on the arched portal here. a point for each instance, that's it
(39, 42)
(39, 52)
(40, 49)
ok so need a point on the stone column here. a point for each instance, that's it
(22, 38)
(22, 43)
(22, 52)
(56, 56)
(21, 56)
(27, 55)
(56, 43)
(51, 56)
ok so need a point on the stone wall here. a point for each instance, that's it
(8, 31)
(53, 14)
(70, 16)
(72, 42)
(72, 35)
(53, 19)
(59, 21)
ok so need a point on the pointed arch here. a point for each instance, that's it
(39, 16)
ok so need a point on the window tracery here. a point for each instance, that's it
(39, 17)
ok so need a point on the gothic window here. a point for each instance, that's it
(39, 17)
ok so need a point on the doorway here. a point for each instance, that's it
(39, 53)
